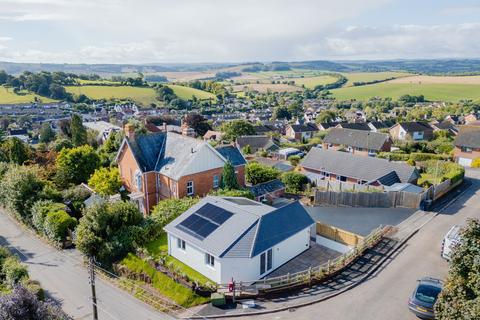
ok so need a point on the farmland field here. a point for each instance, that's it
(312, 82)
(185, 76)
(433, 91)
(143, 96)
(187, 93)
(265, 87)
(371, 76)
(7, 96)
(438, 80)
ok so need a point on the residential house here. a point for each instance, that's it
(321, 164)
(268, 191)
(358, 142)
(301, 132)
(213, 135)
(467, 145)
(445, 126)
(169, 165)
(264, 129)
(472, 117)
(257, 143)
(354, 126)
(327, 125)
(103, 128)
(375, 126)
(454, 119)
(230, 238)
(414, 130)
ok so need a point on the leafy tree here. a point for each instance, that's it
(13, 271)
(256, 173)
(74, 197)
(22, 304)
(165, 93)
(281, 113)
(246, 193)
(57, 224)
(75, 166)
(460, 297)
(20, 188)
(46, 133)
(247, 149)
(294, 181)
(107, 230)
(40, 209)
(198, 123)
(79, 133)
(229, 178)
(236, 128)
(105, 181)
(16, 151)
(169, 209)
(60, 144)
(294, 160)
(325, 116)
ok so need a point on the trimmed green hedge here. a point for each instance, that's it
(414, 156)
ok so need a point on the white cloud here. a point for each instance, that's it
(135, 31)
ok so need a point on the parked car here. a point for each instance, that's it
(452, 238)
(424, 297)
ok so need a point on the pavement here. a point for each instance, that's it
(65, 279)
(384, 294)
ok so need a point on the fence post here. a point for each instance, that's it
(328, 267)
(288, 278)
(310, 276)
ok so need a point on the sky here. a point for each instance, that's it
(198, 31)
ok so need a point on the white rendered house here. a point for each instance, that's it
(227, 238)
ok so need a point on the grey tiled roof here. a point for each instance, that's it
(468, 137)
(251, 229)
(232, 154)
(267, 187)
(356, 138)
(257, 142)
(355, 126)
(358, 167)
(304, 127)
(146, 149)
(415, 126)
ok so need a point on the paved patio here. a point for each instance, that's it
(312, 257)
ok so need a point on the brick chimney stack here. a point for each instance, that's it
(129, 131)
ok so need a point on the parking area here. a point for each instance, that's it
(360, 221)
(312, 257)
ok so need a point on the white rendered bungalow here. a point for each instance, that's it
(229, 237)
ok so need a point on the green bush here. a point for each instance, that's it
(246, 193)
(437, 171)
(13, 271)
(294, 160)
(256, 173)
(294, 181)
(40, 209)
(167, 210)
(57, 224)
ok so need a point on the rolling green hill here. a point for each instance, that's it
(371, 76)
(433, 92)
(7, 96)
(143, 96)
(187, 93)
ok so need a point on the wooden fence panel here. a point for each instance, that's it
(369, 199)
(337, 234)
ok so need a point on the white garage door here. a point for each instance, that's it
(465, 162)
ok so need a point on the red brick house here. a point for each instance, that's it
(301, 132)
(467, 145)
(169, 165)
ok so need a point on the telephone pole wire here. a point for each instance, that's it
(91, 266)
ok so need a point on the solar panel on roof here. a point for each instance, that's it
(214, 213)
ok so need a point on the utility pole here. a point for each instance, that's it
(91, 267)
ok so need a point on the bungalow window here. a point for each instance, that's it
(466, 149)
(342, 178)
(180, 244)
(190, 190)
(266, 261)
(209, 260)
(216, 181)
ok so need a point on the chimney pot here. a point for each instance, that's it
(129, 131)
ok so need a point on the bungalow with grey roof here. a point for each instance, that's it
(358, 142)
(227, 238)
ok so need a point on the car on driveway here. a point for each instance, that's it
(424, 297)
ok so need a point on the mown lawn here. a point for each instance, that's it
(187, 93)
(7, 96)
(433, 92)
(164, 284)
(159, 247)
